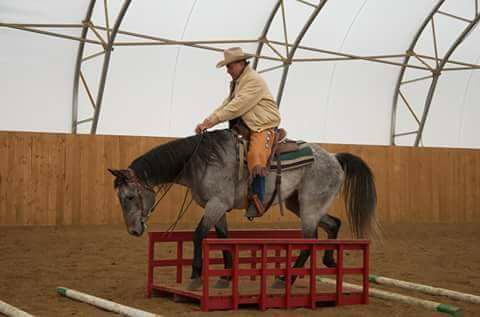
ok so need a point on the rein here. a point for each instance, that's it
(138, 183)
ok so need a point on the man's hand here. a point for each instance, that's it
(206, 124)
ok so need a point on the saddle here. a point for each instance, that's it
(286, 154)
(281, 143)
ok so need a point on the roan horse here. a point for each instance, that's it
(208, 165)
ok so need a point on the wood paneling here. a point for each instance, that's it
(4, 160)
(59, 179)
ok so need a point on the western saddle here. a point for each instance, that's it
(280, 145)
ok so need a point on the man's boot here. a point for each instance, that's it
(255, 198)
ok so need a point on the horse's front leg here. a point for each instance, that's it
(214, 210)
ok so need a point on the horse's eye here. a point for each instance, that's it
(130, 197)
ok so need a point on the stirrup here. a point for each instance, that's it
(251, 212)
(255, 208)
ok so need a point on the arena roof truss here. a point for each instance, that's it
(433, 72)
(281, 52)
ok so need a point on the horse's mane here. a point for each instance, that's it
(188, 156)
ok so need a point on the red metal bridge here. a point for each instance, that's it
(258, 257)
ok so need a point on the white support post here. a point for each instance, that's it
(104, 304)
(425, 289)
(430, 305)
(12, 311)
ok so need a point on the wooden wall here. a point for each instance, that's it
(59, 179)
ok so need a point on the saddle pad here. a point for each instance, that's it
(295, 159)
(292, 160)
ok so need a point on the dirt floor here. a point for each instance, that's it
(105, 261)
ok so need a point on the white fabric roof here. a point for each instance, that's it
(166, 90)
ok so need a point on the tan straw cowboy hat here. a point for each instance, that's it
(233, 54)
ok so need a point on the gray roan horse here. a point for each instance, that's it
(208, 165)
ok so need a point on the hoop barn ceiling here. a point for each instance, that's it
(344, 71)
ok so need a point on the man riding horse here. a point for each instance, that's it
(207, 165)
(249, 107)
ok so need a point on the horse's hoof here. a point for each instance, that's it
(222, 283)
(278, 284)
(195, 284)
(329, 262)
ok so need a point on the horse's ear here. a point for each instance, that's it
(120, 174)
(121, 177)
(116, 173)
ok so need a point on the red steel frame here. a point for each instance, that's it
(261, 241)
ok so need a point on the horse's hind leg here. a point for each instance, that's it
(221, 228)
(331, 225)
(309, 230)
(310, 216)
(310, 219)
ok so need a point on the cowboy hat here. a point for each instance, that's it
(233, 54)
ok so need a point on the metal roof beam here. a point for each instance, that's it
(435, 71)
(433, 85)
(297, 42)
(106, 64)
(78, 63)
(401, 74)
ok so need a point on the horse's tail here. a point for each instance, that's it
(359, 194)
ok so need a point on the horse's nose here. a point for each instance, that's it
(135, 232)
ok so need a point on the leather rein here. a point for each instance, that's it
(134, 180)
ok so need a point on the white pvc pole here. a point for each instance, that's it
(425, 289)
(11, 311)
(105, 304)
(439, 307)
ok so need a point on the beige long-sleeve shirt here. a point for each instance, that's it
(252, 101)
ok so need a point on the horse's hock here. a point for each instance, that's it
(259, 258)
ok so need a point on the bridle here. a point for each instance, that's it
(139, 185)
